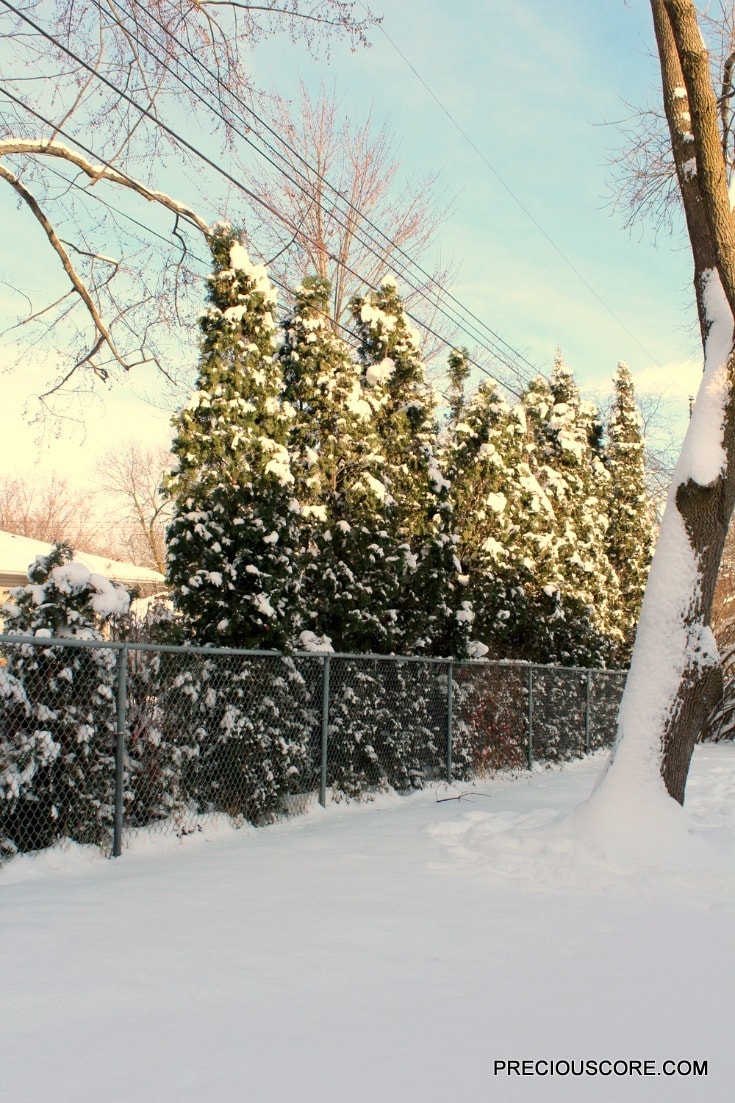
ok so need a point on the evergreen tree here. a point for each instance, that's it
(353, 568)
(234, 538)
(459, 372)
(499, 507)
(58, 714)
(630, 535)
(434, 613)
(235, 557)
(571, 565)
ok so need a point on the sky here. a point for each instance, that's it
(536, 89)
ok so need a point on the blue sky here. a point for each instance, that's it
(535, 86)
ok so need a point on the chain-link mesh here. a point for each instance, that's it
(606, 689)
(490, 730)
(94, 737)
(387, 724)
(559, 709)
(209, 734)
(57, 745)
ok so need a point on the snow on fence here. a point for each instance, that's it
(98, 739)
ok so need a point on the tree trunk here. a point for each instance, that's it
(675, 674)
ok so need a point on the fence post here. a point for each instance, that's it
(530, 717)
(325, 732)
(122, 704)
(588, 713)
(450, 704)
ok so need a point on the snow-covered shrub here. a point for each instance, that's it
(58, 708)
(387, 726)
(353, 765)
(161, 751)
(249, 725)
(559, 708)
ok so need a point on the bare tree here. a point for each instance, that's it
(645, 186)
(131, 477)
(48, 510)
(675, 673)
(92, 148)
(351, 218)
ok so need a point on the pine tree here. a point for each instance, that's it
(434, 613)
(233, 542)
(630, 535)
(58, 716)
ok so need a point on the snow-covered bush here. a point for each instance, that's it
(246, 729)
(387, 726)
(490, 729)
(58, 707)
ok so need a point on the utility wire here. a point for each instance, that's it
(392, 246)
(306, 189)
(515, 198)
(206, 265)
(197, 153)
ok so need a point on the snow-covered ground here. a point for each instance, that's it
(389, 951)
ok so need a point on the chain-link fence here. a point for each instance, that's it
(100, 739)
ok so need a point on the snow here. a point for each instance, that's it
(389, 951)
(109, 600)
(18, 552)
(357, 404)
(376, 487)
(437, 480)
(703, 456)
(263, 605)
(311, 642)
(240, 262)
(374, 316)
(380, 373)
(666, 646)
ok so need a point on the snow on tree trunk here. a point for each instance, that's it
(675, 673)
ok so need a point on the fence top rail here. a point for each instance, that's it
(188, 649)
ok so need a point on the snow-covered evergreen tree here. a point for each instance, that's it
(434, 613)
(57, 708)
(630, 534)
(234, 538)
(352, 567)
(571, 563)
(499, 506)
(235, 553)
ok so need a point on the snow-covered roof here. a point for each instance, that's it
(18, 552)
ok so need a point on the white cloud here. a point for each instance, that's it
(675, 380)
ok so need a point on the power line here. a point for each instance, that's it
(167, 240)
(557, 248)
(392, 245)
(198, 153)
(370, 244)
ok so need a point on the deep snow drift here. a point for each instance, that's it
(388, 951)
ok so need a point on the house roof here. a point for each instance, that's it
(18, 552)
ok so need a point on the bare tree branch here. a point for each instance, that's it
(96, 172)
(76, 282)
(89, 85)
